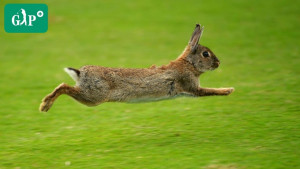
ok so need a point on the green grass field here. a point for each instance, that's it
(258, 126)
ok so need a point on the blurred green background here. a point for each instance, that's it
(256, 127)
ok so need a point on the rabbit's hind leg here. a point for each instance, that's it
(59, 90)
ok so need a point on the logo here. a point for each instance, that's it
(26, 18)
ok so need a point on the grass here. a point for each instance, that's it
(256, 127)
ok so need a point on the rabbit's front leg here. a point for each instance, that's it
(212, 91)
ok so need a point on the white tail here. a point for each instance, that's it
(74, 73)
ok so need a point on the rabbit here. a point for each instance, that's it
(97, 84)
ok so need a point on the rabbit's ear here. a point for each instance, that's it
(195, 38)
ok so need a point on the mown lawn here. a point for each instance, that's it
(258, 126)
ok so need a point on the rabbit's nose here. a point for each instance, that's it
(217, 63)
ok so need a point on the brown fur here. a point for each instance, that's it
(97, 84)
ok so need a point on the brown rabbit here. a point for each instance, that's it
(96, 84)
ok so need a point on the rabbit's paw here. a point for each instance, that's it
(229, 90)
(46, 104)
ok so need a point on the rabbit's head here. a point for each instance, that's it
(201, 57)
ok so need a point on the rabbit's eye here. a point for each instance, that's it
(205, 54)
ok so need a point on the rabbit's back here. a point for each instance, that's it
(127, 85)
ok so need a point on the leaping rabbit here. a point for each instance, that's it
(96, 84)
